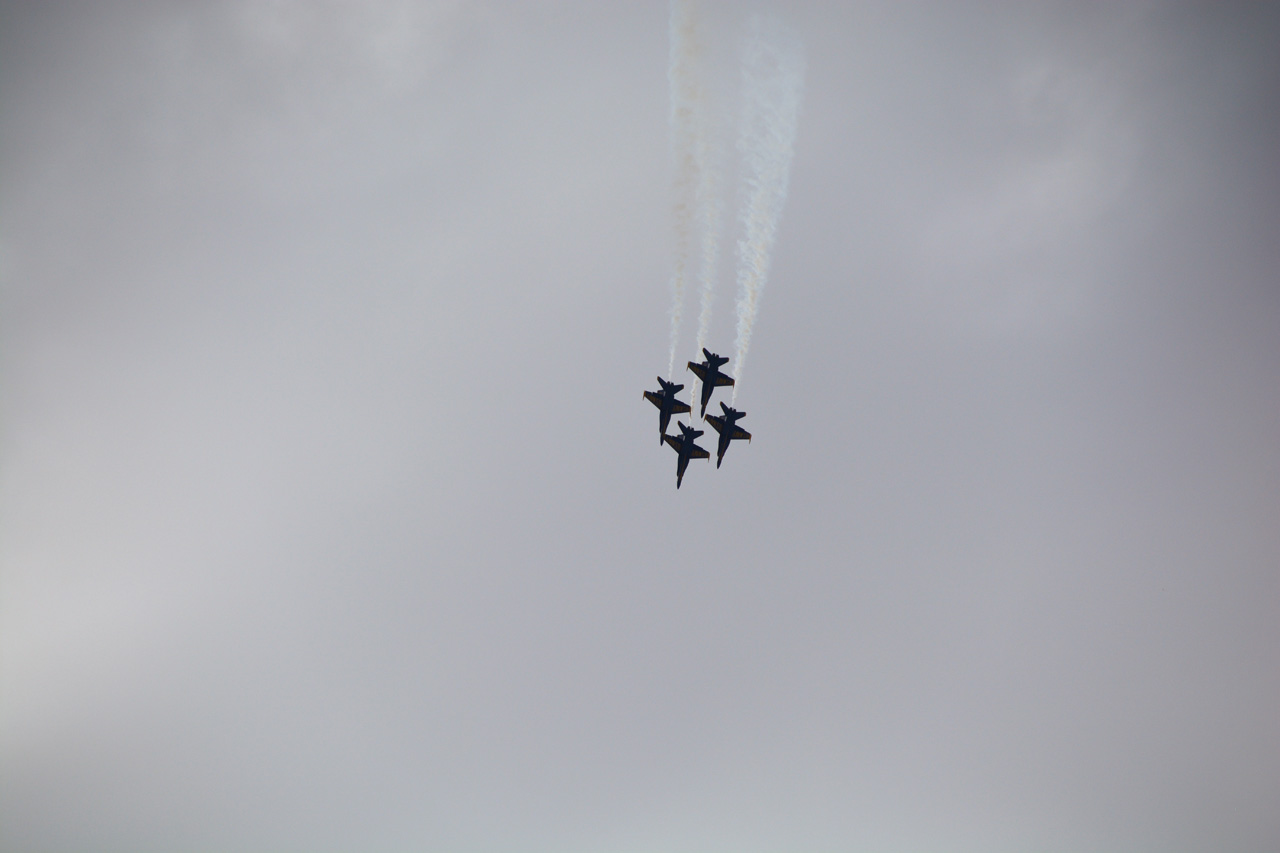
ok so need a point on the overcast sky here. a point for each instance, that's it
(331, 516)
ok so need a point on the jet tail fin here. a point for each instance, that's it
(713, 359)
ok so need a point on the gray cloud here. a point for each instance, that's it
(330, 515)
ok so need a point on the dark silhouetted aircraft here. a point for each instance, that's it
(728, 429)
(684, 446)
(667, 404)
(709, 373)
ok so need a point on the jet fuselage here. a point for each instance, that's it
(667, 404)
(711, 376)
(728, 429)
(685, 449)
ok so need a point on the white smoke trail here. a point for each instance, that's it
(686, 98)
(709, 212)
(772, 79)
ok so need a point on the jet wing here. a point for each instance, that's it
(721, 379)
(673, 441)
(698, 453)
(699, 370)
(653, 398)
(680, 408)
(717, 423)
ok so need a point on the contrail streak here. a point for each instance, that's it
(772, 79)
(709, 210)
(686, 104)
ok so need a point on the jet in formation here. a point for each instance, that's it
(728, 429)
(667, 404)
(685, 448)
(709, 372)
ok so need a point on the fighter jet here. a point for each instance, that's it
(709, 373)
(728, 429)
(667, 404)
(684, 446)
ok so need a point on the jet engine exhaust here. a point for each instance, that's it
(772, 79)
(687, 96)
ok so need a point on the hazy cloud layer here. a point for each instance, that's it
(311, 539)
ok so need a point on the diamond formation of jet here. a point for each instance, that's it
(726, 424)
